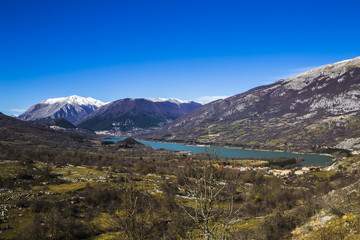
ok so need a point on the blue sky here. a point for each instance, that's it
(194, 50)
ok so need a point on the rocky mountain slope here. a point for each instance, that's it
(320, 107)
(73, 108)
(129, 114)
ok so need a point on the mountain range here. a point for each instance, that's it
(318, 108)
(131, 114)
(123, 115)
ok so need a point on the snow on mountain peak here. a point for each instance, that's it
(172, 100)
(73, 108)
(75, 100)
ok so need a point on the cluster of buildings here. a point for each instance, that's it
(307, 169)
(242, 169)
(285, 172)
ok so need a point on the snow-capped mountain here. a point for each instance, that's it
(318, 107)
(73, 108)
(75, 100)
(137, 113)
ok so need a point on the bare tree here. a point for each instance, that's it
(209, 194)
(137, 217)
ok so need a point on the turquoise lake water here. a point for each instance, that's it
(309, 159)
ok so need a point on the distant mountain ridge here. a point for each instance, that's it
(320, 107)
(59, 122)
(32, 134)
(123, 115)
(131, 114)
(73, 108)
(64, 125)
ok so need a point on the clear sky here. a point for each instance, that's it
(192, 50)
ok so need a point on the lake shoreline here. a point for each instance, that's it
(312, 157)
(229, 147)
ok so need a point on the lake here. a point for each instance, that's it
(309, 159)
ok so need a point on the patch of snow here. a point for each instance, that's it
(172, 100)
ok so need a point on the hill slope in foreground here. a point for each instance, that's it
(317, 108)
(21, 133)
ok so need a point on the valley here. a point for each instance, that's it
(57, 185)
(239, 153)
(201, 171)
(179, 120)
